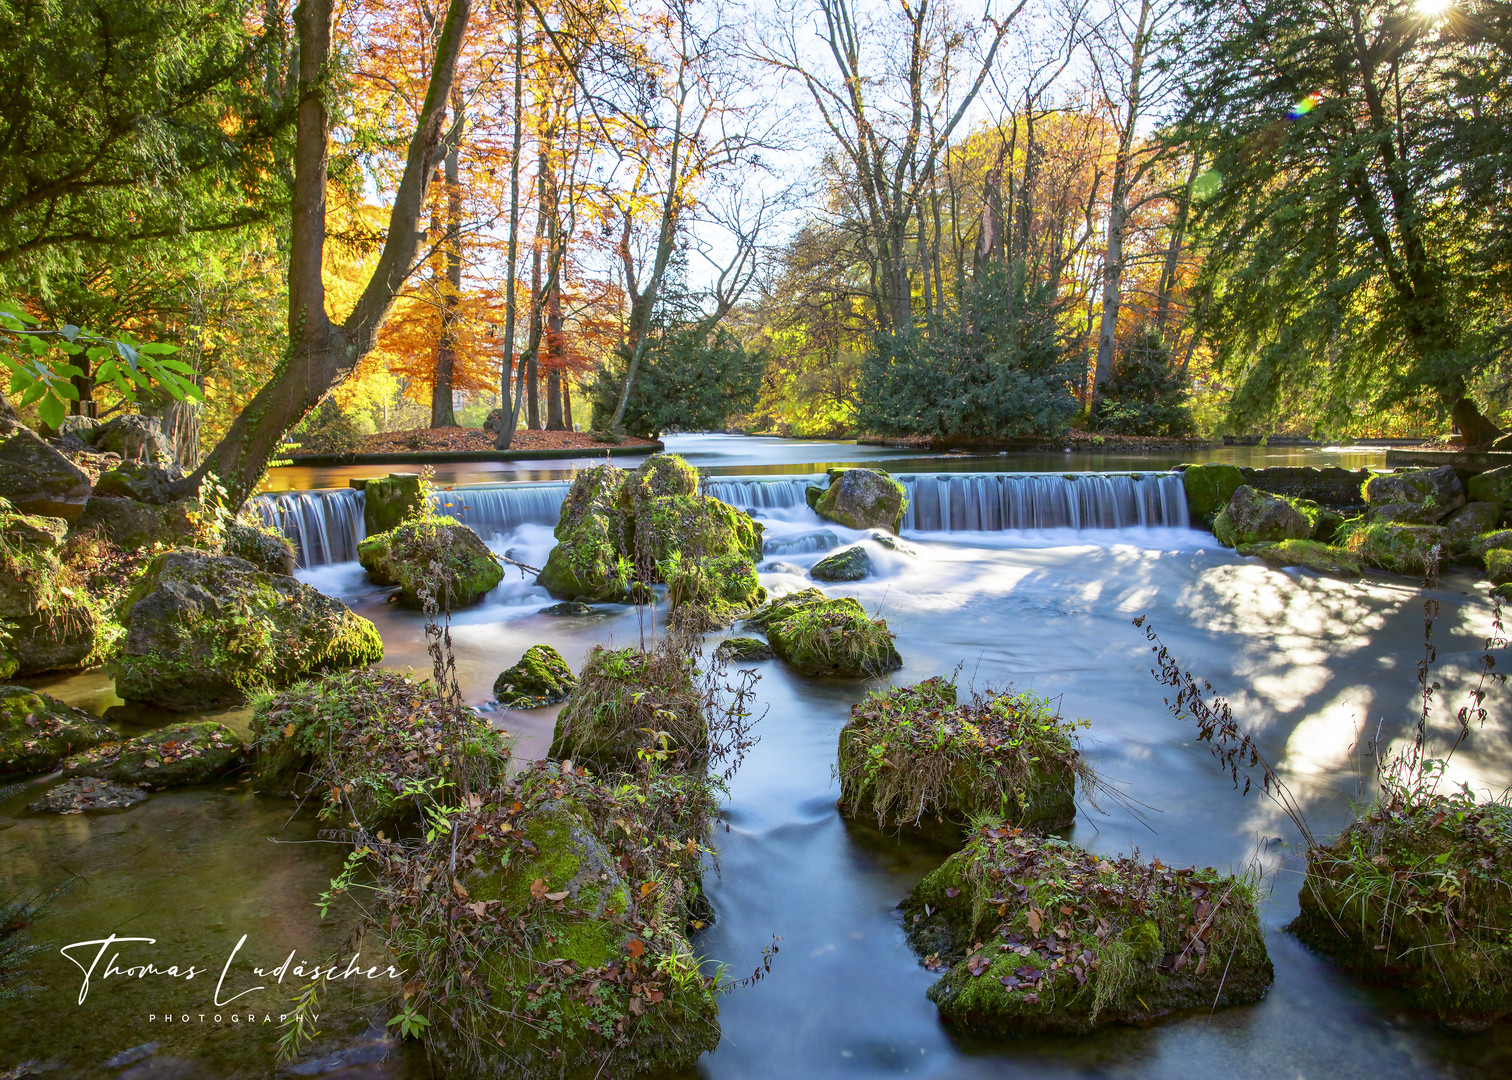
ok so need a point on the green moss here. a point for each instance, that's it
(1499, 566)
(1398, 549)
(1253, 516)
(1418, 896)
(1037, 935)
(848, 564)
(375, 745)
(1309, 554)
(540, 678)
(909, 754)
(743, 649)
(629, 706)
(1208, 487)
(433, 555)
(173, 756)
(823, 636)
(863, 499)
(38, 731)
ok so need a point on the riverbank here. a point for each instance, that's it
(434, 446)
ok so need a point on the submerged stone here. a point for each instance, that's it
(743, 649)
(1036, 935)
(848, 564)
(630, 705)
(911, 756)
(210, 630)
(1253, 517)
(87, 794)
(863, 499)
(571, 607)
(1308, 554)
(1208, 487)
(174, 756)
(433, 556)
(540, 678)
(823, 636)
(375, 745)
(1416, 895)
(38, 731)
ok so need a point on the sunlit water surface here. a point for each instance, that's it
(1315, 668)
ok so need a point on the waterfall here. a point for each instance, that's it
(326, 525)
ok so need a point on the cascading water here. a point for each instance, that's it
(326, 525)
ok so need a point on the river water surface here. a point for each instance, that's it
(1315, 668)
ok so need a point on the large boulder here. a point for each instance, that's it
(1253, 517)
(36, 479)
(38, 731)
(823, 636)
(1330, 486)
(847, 564)
(174, 756)
(1308, 554)
(911, 755)
(56, 626)
(540, 678)
(208, 631)
(863, 499)
(372, 747)
(1494, 486)
(588, 561)
(435, 557)
(1400, 549)
(1208, 487)
(1416, 895)
(1469, 523)
(630, 704)
(131, 524)
(142, 482)
(1499, 566)
(135, 438)
(261, 545)
(1035, 935)
(1437, 491)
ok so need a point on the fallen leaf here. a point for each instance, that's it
(647, 888)
(557, 897)
(978, 965)
(1035, 920)
(636, 947)
(538, 888)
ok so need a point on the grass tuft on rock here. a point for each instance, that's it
(819, 635)
(910, 754)
(432, 554)
(1420, 894)
(631, 705)
(1036, 935)
(540, 678)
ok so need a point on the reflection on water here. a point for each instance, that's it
(1314, 667)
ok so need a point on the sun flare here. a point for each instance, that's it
(1433, 8)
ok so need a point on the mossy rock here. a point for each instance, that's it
(1405, 514)
(847, 564)
(1327, 524)
(863, 499)
(1417, 896)
(1499, 566)
(911, 756)
(87, 795)
(56, 624)
(580, 963)
(407, 556)
(261, 545)
(630, 704)
(1308, 554)
(131, 524)
(587, 562)
(390, 501)
(1469, 523)
(174, 756)
(207, 631)
(1399, 549)
(540, 678)
(745, 649)
(1476, 549)
(1494, 486)
(1436, 491)
(38, 731)
(1208, 487)
(374, 745)
(1036, 935)
(1253, 517)
(823, 636)
(659, 476)
(725, 587)
(142, 482)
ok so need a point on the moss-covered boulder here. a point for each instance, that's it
(1035, 935)
(1469, 523)
(1309, 554)
(863, 499)
(1208, 487)
(174, 756)
(1253, 517)
(847, 564)
(36, 479)
(432, 556)
(1494, 486)
(573, 927)
(540, 678)
(1475, 550)
(261, 545)
(1499, 566)
(1436, 491)
(207, 631)
(632, 705)
(745, 649)
(56, 625)
(620, 533)
(911, 754)
(390, 501)
(141, 482)
(823, 636)
(374, 745)
(1405, 514)
(131, 524)
(38, 731)
(1417, 895)
(1399, 549)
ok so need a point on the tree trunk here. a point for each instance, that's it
(1475, 429)
(567, 403)
(321, 354)
(508, 401)
(442, 411)
(555, 360)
